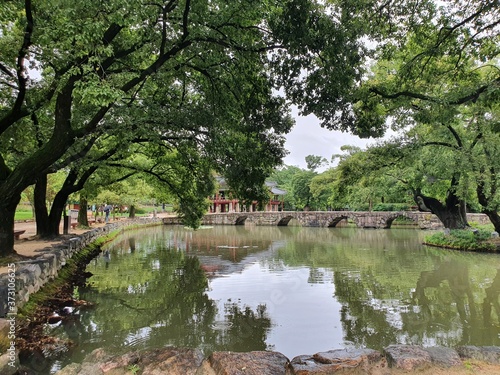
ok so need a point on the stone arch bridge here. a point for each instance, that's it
(379, 219)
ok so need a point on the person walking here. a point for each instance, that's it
(107, 210)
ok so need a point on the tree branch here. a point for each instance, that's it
(472, 97)
(455, 135)
(17, 112)
(4, 69)
(185, 20)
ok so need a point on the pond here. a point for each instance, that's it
(289, 289)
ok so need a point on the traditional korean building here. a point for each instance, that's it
(223, 201)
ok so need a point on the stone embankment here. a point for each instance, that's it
(32, 274)
(395, 359)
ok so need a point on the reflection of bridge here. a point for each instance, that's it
(379, 219)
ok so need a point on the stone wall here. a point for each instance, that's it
(478, 218)
(32, 274)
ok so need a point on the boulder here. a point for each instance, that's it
(124, 360)
(7, 367)
(71, 369)
(407, 357)
(172, 361)
(354, 356)
(444, 357)
(334, 360)
(251, 363)
(489, 354)
(89, 366)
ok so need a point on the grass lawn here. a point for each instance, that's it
(23, 215)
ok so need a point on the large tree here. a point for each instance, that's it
(435, 64)
(78, 65)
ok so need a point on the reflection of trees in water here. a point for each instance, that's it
(375, 273)
(491, 301)
(449, 307)
(247, 329)
(387, 262)
(160, 305)
(364, 324)
(450, 284)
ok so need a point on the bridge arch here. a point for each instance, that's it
(283, 222)
(396, 215)
(240, 220)
(332, 223)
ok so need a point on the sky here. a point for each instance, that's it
(309, 138)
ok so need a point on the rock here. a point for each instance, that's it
(88, 368)
(205, 368)
(444, 357)
(172, 361)
(489, 354)
(407, 357)
(71, 369)
(356, 356)
(7, 367)
(4, 326)
(306, 365)
(91, 363)
(333, 360)
(125, 360)
(97, 355)
(251, 363)
(494, 235)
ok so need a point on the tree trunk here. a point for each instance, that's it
(82, 214)
(7, 214)
(47, 224)
(56, 213)
(70, 186)
(40, 204)
(451, 214)
(132, 212)
(484, 202)
(494, 218)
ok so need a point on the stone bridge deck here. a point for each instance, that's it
(382, 219)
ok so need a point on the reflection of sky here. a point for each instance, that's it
(141, 335)
(305, 317)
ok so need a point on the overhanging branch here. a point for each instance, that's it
(472, 97)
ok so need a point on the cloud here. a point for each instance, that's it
(309, 138)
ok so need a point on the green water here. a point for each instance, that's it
(290, 289)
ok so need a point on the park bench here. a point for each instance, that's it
(17, 234)
(75, 224)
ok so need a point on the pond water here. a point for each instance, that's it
(290, 289)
